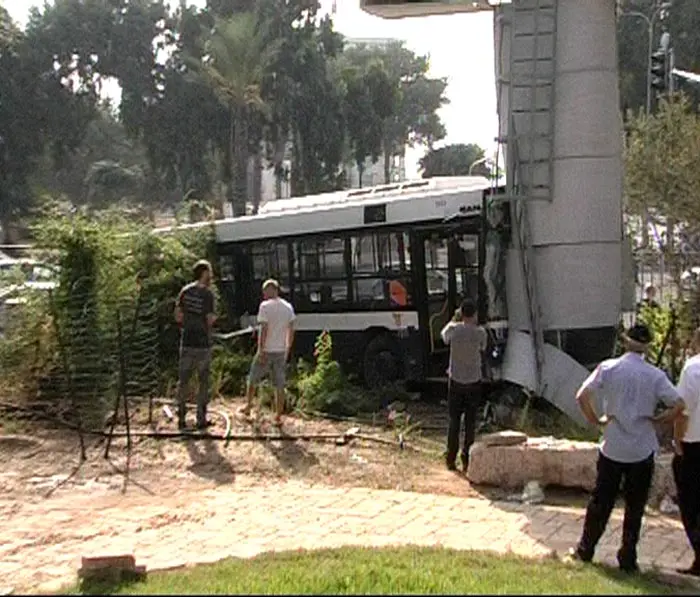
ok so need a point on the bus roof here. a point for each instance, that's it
(413, 201)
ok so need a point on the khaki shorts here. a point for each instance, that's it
(274, 367)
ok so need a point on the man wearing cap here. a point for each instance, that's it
(686, 463)
(629, 390)
(275, 339)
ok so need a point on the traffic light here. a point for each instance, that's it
(659, 71)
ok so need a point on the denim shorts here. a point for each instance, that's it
(274, 367)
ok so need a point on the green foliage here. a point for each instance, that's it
(110, 270)
(415, 100)
(454, 160)
(324, 388)
(229, 370)
(662, 163)
(264, 79)
(672, 330)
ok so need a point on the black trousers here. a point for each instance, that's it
(686, 472)
(462, 400)
(636, 482)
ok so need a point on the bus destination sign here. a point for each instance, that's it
(375, 214)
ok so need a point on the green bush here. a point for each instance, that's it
(113, 274)
(229, 371)
(324, 388)
(674, 334)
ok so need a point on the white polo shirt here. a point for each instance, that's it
(689, 389)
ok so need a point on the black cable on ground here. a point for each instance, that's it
(228, 436)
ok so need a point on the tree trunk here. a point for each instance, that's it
(228, 174)
(256, 192)
(360, 172)
(278, 162)
(387, 163)
(238, 188)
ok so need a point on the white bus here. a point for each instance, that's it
(382, 269)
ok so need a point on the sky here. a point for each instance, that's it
(460, 48)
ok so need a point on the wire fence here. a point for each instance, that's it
(80, 356)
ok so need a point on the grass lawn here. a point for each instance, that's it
(388, 571)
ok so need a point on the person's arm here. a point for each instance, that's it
(671, 398)
(447, 332)
(211, 311)
(676, 399)
(483, 340)
(688, 389)
(262, 322)
(179, 316)
(585, 397)
(290, 334)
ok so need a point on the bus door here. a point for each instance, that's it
(451, 275)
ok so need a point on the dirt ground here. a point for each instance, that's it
(36, 460)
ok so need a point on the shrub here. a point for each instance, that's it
(229, 371)
(672, 330)
(324, 387)
(112, 274)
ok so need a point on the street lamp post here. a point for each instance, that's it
(650, 21)
(478, 163)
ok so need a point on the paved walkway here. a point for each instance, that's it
(40, 543)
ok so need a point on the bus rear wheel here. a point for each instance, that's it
(382, 362)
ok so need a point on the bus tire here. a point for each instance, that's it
(382, 362)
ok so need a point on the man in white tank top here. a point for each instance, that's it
(275, 339)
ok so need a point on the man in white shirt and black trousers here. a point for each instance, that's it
(629, 389)
(686, 463)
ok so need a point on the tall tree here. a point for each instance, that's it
(370, 99)
(454, 160)
(234, 67)
(304, 98)
(415, 119)
(662, 167)
(21, 122)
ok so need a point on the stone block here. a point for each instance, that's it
(110, 568)
(504, 438)
(552, 462)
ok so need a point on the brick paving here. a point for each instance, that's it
(41, 542)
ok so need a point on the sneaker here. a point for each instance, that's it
(451, 465)
(204, 426)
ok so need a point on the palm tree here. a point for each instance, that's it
(233, 67)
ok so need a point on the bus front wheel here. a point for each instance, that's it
(382, 361)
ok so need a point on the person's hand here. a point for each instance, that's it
(677, 447)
